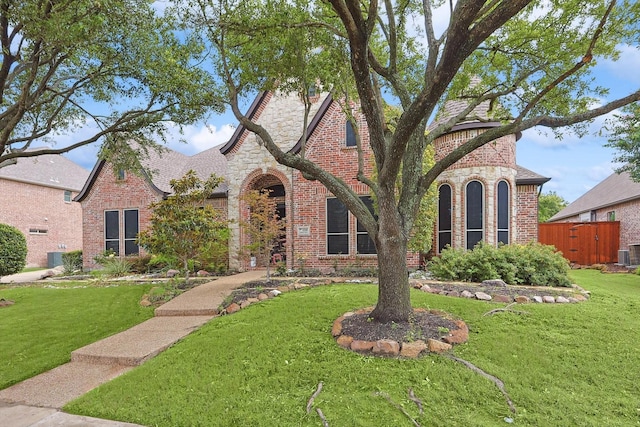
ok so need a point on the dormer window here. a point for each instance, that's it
(121, 175)
(350, 140)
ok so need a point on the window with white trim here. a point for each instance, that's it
(474, 213)
(503, 213)
(112, 231)
(364, 243)
(445, 230)
(337, 227)
(131, 228)
(67, 196)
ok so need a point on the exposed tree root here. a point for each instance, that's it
(398, 407)
(318, 410)
(415, 400)
(313, 396)
(324, 420)
(497, 381)
(507, 308)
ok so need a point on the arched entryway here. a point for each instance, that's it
(276, 184)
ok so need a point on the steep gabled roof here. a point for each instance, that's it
(253, 110)
(525, 176)
(615, 189)
(170, 164)
(48, 170)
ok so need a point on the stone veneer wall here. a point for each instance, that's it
(248, 159)
(28, 206)
(488, 164)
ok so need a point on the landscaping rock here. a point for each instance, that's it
(253, 300)
(494, 282)
(274, 293)
(580, 297)
(548, 299)
(344, 341)
(144, 302)
(521, 299)
(245, 304)
(172, 273)
(336, 329)
(502, 298)
(203, 273)
(262, 297)
(537, 298)
(6, 302)
(466, 294)
(232, 308)
(358, 345)
(562, 300)
(413, 349)
(386, 348)
(455, 294)
(482, 296)
(425, 288)
(458, 336)
(436, 346)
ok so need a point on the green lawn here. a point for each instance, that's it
(563, 365)
(45, 325)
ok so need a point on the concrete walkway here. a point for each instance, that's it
(36, 401)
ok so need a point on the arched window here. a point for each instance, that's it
(503, 212)
(350, 140)
(444, 217)
(474, 213)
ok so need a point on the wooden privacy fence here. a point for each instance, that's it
(584, 243)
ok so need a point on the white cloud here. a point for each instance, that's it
(625, 68)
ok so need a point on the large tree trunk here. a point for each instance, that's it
(394, 299)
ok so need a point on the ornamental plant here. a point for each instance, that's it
(13, 250)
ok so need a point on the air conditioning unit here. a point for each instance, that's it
(623, 257)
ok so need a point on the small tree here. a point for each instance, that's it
(264, 227)
(550, 204)
(183, 225)
(625, 139)
(13, 250)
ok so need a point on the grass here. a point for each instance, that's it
(45, 325)
(561, 364)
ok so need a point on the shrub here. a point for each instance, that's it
(72, 261)
(113, 265)
(139, 263)
(531, 264)
(13, 250)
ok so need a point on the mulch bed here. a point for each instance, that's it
(421, 326)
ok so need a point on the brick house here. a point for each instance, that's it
(485, 196)
(115, 205)
(616, 198)
(39, 193)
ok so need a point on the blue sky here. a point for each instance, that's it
(574, 164)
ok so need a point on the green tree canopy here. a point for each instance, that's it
(532, 63)
(110, 66)
(184, 226)
(550, 204)
(625, 138)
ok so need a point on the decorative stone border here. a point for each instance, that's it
(574, 294)
(391, 348)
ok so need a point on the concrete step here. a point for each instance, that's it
(140, 343)
(61, 385)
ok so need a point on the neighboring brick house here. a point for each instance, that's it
(115, 205)
(616, 198)
(485, 196)
(38, 201)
